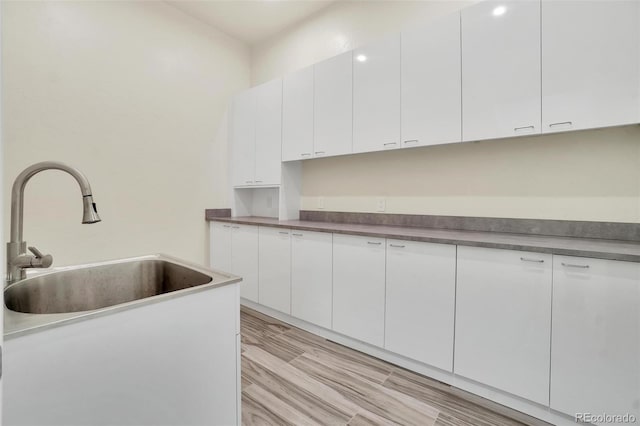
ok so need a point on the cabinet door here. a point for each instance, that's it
(359, 287)
(297, 115)
(431, 87)
(243, 133)
(220, 242)
(244, 259)
(503, 320)
(311, 282)
(590, 73)
(420, 301)
(376, 96)
(333, 106)
(268, 133)
(275, 268)
(595, 352)
(500, 69)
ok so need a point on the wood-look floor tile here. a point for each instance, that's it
(290, 376)
(280, 412)
(347, 359)
(366, 418)
(371, 396)
(455, 410)
(269, 342)
(262, 322)
(299, 390)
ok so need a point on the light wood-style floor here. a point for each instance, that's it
(291, 377)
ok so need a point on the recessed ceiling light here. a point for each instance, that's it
(500, 10)
(361, 58)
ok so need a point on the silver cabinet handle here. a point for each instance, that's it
(526, 259)
(235, 227)
(521, 129)
(562, 123)
(573, 265)
(411, 141)
(248, 181)
(258, 181)
(305, 154)
(227, 226)
(396, 245)
(283, 232)
(319, 152)
(297, 235)
(390, 143)
(374, 243)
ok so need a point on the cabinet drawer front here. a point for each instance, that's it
(503, 320)
(595, 352)
(359, 287)
(420, 301)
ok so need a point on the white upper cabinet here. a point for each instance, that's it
(243, 133)
(590, 64)
(268, 133)
(376, 96)
(595, 352)
(503, 320)
(431, 87)
(333, 106)
(297, 115)
(501, 69)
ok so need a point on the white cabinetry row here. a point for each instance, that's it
(493, 70)
(559, 331)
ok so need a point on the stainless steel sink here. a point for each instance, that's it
(106, 286)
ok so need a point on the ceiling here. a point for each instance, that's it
(250, 20)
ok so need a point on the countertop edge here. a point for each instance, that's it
(522, 245)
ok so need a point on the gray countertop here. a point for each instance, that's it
(584, 247)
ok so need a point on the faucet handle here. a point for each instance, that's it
(42, 260)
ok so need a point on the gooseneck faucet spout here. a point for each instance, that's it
(17, 258)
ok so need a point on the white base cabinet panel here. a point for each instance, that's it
(311, 280)
(165, 363)
(220, 240)
(244, 259)
(595, 352)
(274, 268)
(503, 320)
(359, 287)
(420, 301)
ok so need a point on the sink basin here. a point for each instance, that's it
(101, 285)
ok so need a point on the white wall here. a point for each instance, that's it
(589, 175)
(132, 93)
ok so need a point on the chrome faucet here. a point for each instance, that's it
(17, 258)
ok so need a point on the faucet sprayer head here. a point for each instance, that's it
(90, 213)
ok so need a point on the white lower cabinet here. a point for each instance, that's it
(311, 282)
(274, 268)
(503, 320)
(420, 301)
(359, 287)
(220, 234)
(595, 356)
(244, 259)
